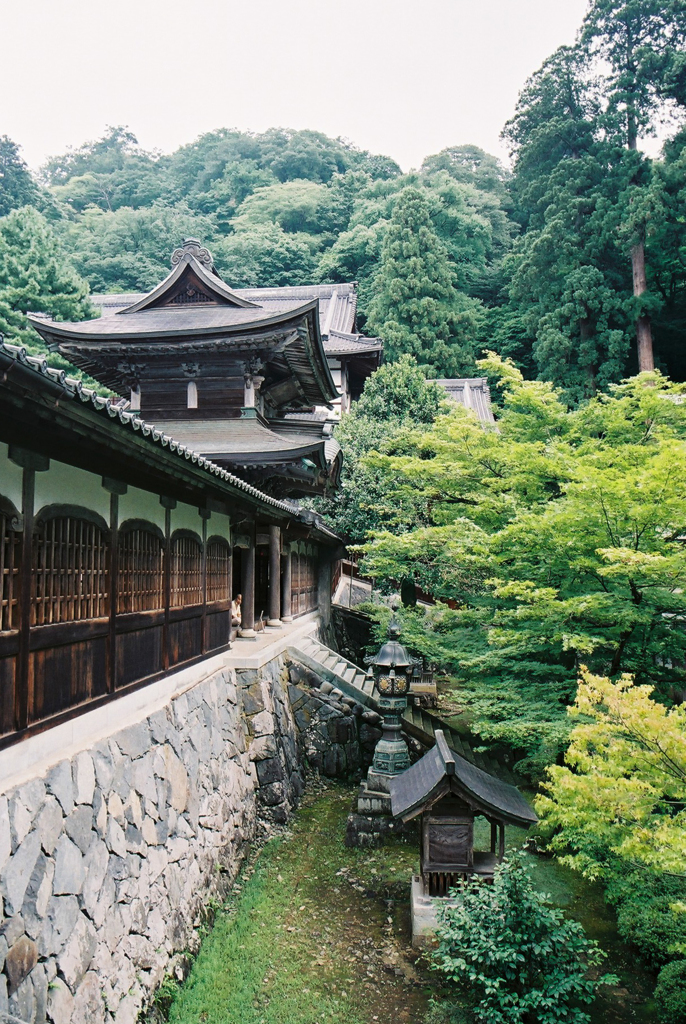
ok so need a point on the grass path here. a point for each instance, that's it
(318, 933)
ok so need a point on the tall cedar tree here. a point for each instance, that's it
(639, 43)
(568, 281)
(416, 308)
(17, 187)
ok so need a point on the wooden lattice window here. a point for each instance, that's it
(140, 584)
(69, 571)
(10, 557)
(218, 569)
(186, 569)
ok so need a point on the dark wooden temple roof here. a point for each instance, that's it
(337, 305)
(194, 312)
(188, 321)
(441, 771)
(472, 392)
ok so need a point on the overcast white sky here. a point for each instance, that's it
(401, 77)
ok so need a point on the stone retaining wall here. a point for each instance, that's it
(106, 860)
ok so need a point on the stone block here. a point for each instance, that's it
(79, 826)
(20, 818)
(116, 839)
(269, 771)
(5, 841)
(177, 778)
(49, 824)
(22, 1003)
(134, 741)
(95, 868)
(63, 913)
(39, 980)
(60, 784)
(326, 688)
(15, 878)
(88, 1000)
(272, 794)
(263, 747)
(263, 724)
(77, 954)
(21, 958)
(69, 869)
(253, 699)
(84, 778)
(104, 766)
(60, 1002)
(38, 893)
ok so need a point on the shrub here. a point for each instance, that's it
(670, 993)
(517, 954)
(646, 915)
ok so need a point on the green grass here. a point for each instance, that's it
(318, 933)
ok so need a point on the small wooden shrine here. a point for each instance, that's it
(450, 793)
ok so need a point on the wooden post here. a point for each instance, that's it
(247, 630)
(501, 845)
(324, 588)
(167, 504)
(204, 515)
(494, 835)
(274, 576)
(115, 488)
(31, 463)
(286, 612)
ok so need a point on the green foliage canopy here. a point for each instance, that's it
(555, 538)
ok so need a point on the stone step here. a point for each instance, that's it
(350, 673)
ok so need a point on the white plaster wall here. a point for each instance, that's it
(219, 525)
(67, 485)
(186, 517)
(138, 504)
(10, 478)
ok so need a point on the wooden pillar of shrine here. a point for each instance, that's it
(286, 611)
(274, 576)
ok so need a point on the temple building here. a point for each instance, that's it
(236, 380)
(121, 547)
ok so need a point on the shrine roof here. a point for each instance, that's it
(337, 305)
(245, 440)
(426, 780)
(472, 392)
(339, 343)
(172, 322)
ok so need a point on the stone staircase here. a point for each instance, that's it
(417, 722)
(353, 681)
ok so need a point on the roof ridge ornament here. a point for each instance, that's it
(193, 247)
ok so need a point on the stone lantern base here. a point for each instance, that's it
(372, 821)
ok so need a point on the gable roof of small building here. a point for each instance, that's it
(442, 771)
(472, 392)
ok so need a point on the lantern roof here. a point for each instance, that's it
(392, 654)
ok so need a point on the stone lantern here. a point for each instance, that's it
(392, 669)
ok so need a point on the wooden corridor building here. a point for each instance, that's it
(121, 548)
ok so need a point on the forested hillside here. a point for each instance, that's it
(560, 263)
